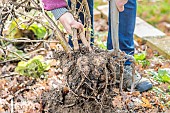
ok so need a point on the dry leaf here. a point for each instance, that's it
(53, 45)
(117, 101)
(53, 62)
(52, 72)
(149, 53)
(1, 109)
(136, 93)
(161, 106)
(146, 103)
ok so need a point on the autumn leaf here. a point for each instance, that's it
(53, 45)
(146, 103)
(53, 62)
(136, 93)
(117, 102)
(1, 109)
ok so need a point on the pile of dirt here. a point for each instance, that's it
(90, 79)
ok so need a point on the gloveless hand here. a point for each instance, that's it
(69, 22)
(120, 4)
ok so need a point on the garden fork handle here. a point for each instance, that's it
(114, 17)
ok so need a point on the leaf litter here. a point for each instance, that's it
(29, 92)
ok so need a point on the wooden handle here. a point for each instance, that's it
(114, 16)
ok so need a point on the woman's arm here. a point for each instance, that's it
(54, 4)
(60, 12)
(57, 7)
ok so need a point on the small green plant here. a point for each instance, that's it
(38, 30)
(163, 75)
(16, 31)
(159, 91)
(169, 91)
(99, 42)
(141, 59)
(35, 67)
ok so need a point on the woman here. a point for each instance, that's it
(59, 9)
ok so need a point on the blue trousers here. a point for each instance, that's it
(127, 20)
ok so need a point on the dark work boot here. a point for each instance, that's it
(141, 84)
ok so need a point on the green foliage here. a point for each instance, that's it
(168, 104)
(101, 44)
(163, 75)
(159, 91)
(99, 2)
(35, 67)
(141, 59)
(15, 30)
(14, 53)
(169, 91)
(162, 96)
(19, 52)
(38, 30)
(98, 40)
(154, 12)
(140, 56)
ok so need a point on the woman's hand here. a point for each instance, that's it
(120, 4)
(69, 22)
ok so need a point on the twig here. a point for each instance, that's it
(75, 40)
(121, 76)
(9, 75)
(63, 42)
(85, 42)
(17, 93)
(105, 89)
(27, 7)
(16, 54)
(133, 77)
(14, 59)
(28, 54)
(24, 86)
(113, 68)
(12, 105)
(88, 21)
(70, 105)
(27, 40)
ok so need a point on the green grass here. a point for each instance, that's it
(154, 12)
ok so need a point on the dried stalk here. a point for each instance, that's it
(16, 54)
(133, 77)
(84, 41)
(88, 21)
(74, 38)
(8, 75)
(121, 76)
(57, 31)
(12, 106)
(26, 41)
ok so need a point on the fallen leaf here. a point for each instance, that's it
(149, 53)
(136, 93)
(53, 62)
(117, 101)
(1, 109)
(53, 45)
(161, 106)
(146, 103)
